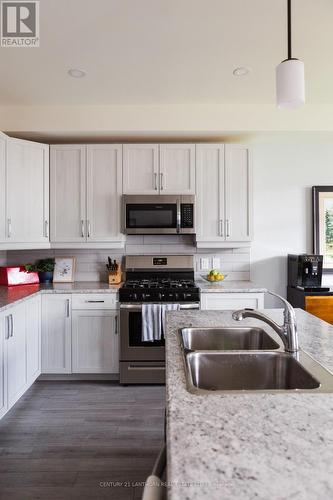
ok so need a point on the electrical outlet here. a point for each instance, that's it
(216, 263)
(204, 264)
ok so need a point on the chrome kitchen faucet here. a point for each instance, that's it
(287, 332)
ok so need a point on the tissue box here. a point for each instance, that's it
(10, 276)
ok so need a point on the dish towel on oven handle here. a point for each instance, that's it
(151, 322)
(164, 309)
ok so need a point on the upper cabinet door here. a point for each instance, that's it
(140, 169)
(27, 173)
(238, 193)
(210, 192)
(2, 187)
(177, 169)
(68, 193)
(104, 189)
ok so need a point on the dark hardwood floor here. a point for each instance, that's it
(87, 440)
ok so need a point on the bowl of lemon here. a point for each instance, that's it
(214, 276)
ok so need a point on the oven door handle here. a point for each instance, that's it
(138, 307)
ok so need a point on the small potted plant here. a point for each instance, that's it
(44, 268)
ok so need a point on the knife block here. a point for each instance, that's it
(115, 277)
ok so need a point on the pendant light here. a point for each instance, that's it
(290, 88)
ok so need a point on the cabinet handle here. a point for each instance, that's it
(155, 182)
(95, 301)
(82, 228)
(67, 308)
(161, 181)
(116, 325)
(221, 227)
(11, 326)
(46, 229)
(7, 335)
(88, 228)
(9, 228)
(227, 228)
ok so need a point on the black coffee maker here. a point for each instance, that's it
(305, 272)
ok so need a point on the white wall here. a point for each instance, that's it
(285, 168)
(209, 120)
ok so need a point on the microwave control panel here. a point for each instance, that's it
(186, 213)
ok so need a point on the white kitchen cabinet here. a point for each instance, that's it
(210, 193)
(140, 168)
(3, 145)
(15, 352)
(95, 344)
(177, 169)
(56, 333)
(3, 369)
(86, 189)
(20, 352)
(68, 193)
(27, 194)
(104, 190)
(224, 195)
(159, 169)
(238, 193)
(33, 333)
(231, 301)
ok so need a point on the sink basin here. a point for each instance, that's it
(255, 371)
(227, 339)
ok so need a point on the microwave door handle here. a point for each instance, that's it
(178, 216)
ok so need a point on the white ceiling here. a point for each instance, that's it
(152, 52)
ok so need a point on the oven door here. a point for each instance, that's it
(155, 216)
(131, 346)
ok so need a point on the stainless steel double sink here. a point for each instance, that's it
(233, 359)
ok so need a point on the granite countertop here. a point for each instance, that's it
(276, 446)
(15, 294)
(229, 287)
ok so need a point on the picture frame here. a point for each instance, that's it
(322, 204)
(64, 270)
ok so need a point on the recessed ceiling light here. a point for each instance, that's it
(76, 73)
(241, 71)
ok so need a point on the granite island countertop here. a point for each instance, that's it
(229, 287)
(246, 446)
(19, 293)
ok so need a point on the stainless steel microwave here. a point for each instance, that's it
(159, 214)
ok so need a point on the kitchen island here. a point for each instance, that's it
(244, 446)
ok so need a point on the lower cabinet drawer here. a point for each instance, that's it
(95, 301)
(140, 372)
(231, 301)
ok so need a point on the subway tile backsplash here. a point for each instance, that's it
(90, 264)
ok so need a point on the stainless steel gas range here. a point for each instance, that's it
(155, 280)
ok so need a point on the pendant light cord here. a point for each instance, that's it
(289, 29)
